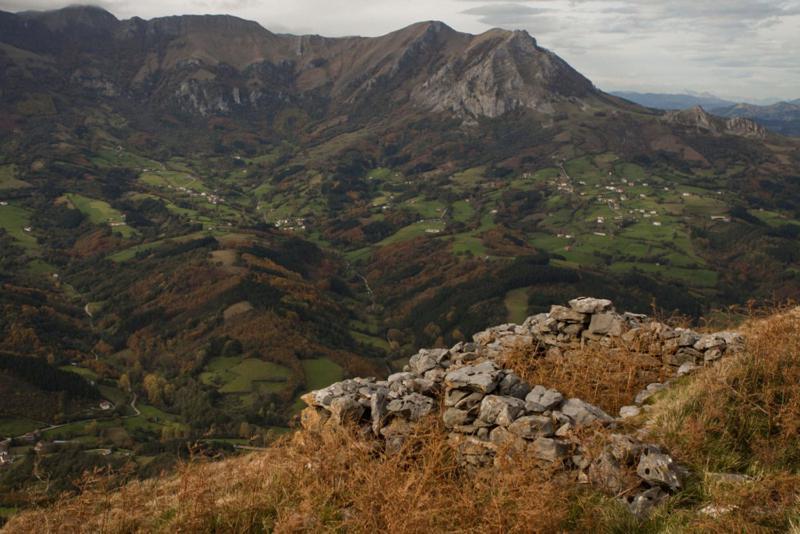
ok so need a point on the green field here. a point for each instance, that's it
(235, 375)
(8, 178)
(14, 220)
(100, 212)
(321, 372)
(13, 426)
(516, 302)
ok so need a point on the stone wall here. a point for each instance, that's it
(490, 411)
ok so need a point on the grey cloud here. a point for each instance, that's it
(505, 14)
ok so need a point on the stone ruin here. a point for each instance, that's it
(491, 412)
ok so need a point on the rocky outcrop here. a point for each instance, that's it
(491, 413)
(698, 119)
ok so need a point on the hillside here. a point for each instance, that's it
(207, 220)
(720, 439)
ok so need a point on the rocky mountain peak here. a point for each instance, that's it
(75, 17)
(703, 121)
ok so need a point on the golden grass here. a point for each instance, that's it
(334, 482)
(741, 416)
(609, 377)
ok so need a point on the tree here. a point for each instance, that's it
(152, 386)
(124, 382)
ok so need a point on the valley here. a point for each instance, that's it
(196, 236)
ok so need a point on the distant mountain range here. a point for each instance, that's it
(781, 117)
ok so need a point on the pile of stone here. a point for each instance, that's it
(490, 412)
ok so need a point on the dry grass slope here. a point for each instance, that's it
(738, 418)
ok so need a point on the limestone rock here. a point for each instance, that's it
(549, 449)
(643, 501)
(590, 305)
(660, 469)
(626, 412)
(567, 315)
(513, 386)
(609, 324)
(548, 399)
(454, 417)
(483, 377)
(532, 427)
(584, 413)
(498, 410)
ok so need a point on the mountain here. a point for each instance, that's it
(673, 101)
(206, 219)
(783, 117)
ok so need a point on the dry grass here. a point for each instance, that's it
(609, 377)
(743, 416)
(322, 484)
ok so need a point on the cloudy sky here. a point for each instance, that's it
(740, 49)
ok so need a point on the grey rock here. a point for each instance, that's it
(452, 396)
(397, 377)
(643, 501)
(412, 406)
(607, 473)
(483, 377)
(567, 315)
(470, 401)
(624, 448)
(549, 449)
(688, 338)
(532, 427)
(501, 437)
(378, 410)
(648, 392)
(584, 413)
(498, 410)
(346, 408)
(686, 368)
(684, 355)
(548, 399)
(454, 417)
(660, 469)
(609, 324)
(712, 355)
(709, 341)
(626, 412)
(513, 386)
(590, 305)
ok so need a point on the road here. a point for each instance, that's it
(83, 421)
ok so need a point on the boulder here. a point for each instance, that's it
(642, 502)
(513, 386)
(658, 469)
(567, 315)
(454, 417)
(606, 324)
(483, 377)
(548, 399)
(549, 449)
(686, 368)
(507, 440)
(426, 359)
(346, 408)
(499, 410)
(532, 427)
(626, 412)
(590, 305)
(684, 355)
(584, 413)
(648, 392)
(412, 406)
